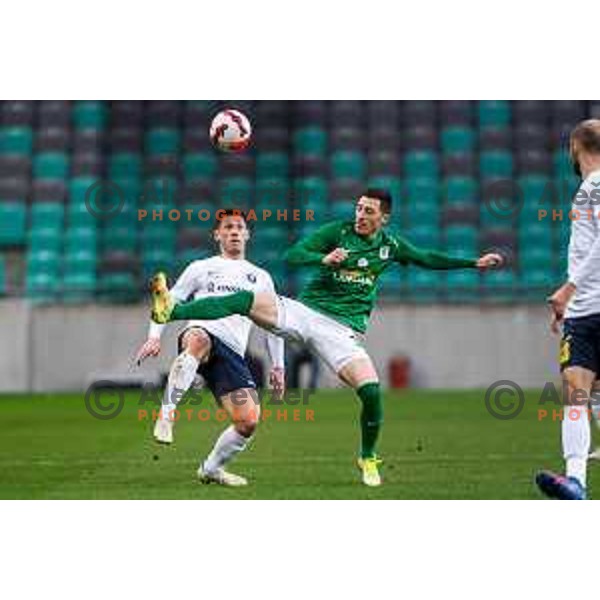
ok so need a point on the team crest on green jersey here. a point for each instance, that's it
(384, 252)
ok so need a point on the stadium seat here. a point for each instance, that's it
(348, 164)
(384, 140)
(392, 184)
(51, 165)
(310, 191)
(43, 261)
(14, 165)
(460, 164)
(89, 115)
(309, 112)
(424, 285)
(384, 163)
(531, 112)
(236, 192)
(347, 139)
(124, 165)
(162, 141)
(421, 164)
(273, 139)
(341, 210)
(163, 113)
(383, 114)
(494, 113)
(460, 190)
(16, 140)
(47, 213)
(495, 138)
(345, 189)
(41, 286)
(461, 240)
(456, 112)
(3, 282)
(13, 223)
(347, 113)
(427, 235)
(463, 285)
(534, 162)
(495, 164)
(310, 140)
(272, 165)
(17, 112)
(274, 194)
(419, 112)
(200, 165)
(422, 137)
(119, 238)
(531, 136)
(457, 139)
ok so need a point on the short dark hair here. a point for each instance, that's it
(587, 134)
(221, 213)
(384, 197)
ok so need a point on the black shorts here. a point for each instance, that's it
(580, 343)
(225, 370)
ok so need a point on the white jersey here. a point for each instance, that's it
(584, 249)
(218, 276)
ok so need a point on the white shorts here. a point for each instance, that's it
(335, 343)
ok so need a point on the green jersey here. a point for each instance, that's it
(347, 292)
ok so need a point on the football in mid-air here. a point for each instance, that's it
(231, 131)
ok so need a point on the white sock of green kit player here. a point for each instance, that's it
(181, 376)
(229, 443)
(576, 441)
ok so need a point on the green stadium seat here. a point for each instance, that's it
(273, 194)
(457, 139)
(78, 286)
(81, 238)
(78, 188)
(310, 141)
(424, 190)
(422, 213)
(310, 193)
(41, 286)
(80, 260)
(79, 215)
(390, 183)
(124, 165)
(463, 286)
(461, 240)
(426, 235)
(272, 165)
(156, 259)
(236, 192)
(342, 210)
(424, 285)
(16, 140)
(494, 113)
(162, 141)
(118, 287)
(421, 163)
(3, 283)
(89, 114)
(536, 256)
(460, 190)
(13, 223)
(348, 164)
(276, 236)
(43, 261)
(495, 164)
(391, 283)
(200, 165)
(47, 213)
(45, 238)
(119, 238)
(51, 165)
(500, 285)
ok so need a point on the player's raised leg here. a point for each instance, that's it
(243, 408)
(361, 375)
(196, 346)
(575, 439)
(261, 307)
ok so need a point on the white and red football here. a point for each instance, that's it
(231, 131)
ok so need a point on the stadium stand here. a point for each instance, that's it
(440, 159)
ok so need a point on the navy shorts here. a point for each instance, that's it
(580, 343)
(225, 370)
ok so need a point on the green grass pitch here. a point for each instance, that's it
(435, 444)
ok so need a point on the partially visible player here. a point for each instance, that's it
(333, 310)
(216, 349)
(576, 306)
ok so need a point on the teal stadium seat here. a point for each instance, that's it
(81, 238)
(162, 141)
(79, 215)
(272, 165)
(16, 140)
(461, 240)
(494, 113)
(350, 165)
(89, 114)
(124, 165)
(13, 223)
(310, 141)
(342, 210)
(43, 261)
(421, 163)
(426, 235)
(311, 193)
(463, 286)
(119, 238)
(424, 285)
(51, 165)
(199, 165)
(495, 164)
(3, 283)
(459, 190)
(47, 213)
(156, 259)
(457, 139)
(500, 285)
(273, 194)
(236, 192)
(41, 286)
(45, 237)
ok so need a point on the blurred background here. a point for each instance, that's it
(466, 176)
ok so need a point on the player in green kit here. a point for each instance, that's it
(332, 312)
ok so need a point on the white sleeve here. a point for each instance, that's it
(184, 287)
(275, 345)
(585, 268)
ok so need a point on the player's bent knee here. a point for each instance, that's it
(197, 342)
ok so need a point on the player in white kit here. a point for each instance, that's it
(576, 306)
(215, 349)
